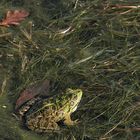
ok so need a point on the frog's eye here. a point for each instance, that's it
(71, 103)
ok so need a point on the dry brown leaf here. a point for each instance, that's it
(37, 89)
(14, 17)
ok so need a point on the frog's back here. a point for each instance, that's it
(40, 106)
(45, 113)
(56, 103)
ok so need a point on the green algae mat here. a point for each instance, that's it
(93, 45)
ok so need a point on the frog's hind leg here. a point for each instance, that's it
(53, 126)
(68, 121)
(50, 127)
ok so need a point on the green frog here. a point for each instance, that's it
(45, 114)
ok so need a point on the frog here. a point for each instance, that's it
(45, 114)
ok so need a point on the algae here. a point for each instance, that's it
(83, 44)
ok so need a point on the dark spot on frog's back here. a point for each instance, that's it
(75, 97)
(60, 98)
(62, 103)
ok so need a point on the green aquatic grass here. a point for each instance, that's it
(79, 44)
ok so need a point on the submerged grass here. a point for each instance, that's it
(92, 45)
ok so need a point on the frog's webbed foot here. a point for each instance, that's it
(69, 122)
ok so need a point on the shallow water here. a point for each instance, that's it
(89, 47)
(11, 128)
(9, 125)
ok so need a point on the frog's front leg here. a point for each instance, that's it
(68, 121)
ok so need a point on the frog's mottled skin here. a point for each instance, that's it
(44, 114)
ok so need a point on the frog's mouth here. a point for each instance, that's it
(74, 107)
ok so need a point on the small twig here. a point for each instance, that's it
(3, 87)
(129, 7)
(125, 12)
(125, 6)
(64, 31)
(6, 34)
(76, 3)
(15, 116)
(128, 129)
(26, 34)
(113, 128)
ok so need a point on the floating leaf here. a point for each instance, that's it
(14, 17)
(37, 89)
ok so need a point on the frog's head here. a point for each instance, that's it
(75, 97)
